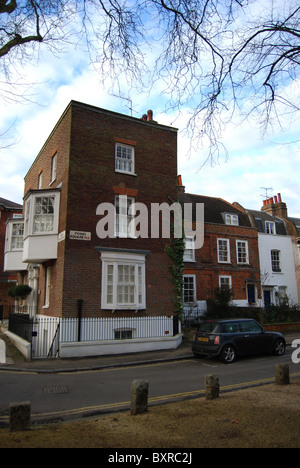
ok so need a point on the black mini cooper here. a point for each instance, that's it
(230, 338)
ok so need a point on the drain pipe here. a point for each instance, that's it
(79, 309)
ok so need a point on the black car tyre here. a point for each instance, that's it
(279, 347)
(228, 354)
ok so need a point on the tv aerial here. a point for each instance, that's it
(266, 196)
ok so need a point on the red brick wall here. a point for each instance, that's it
(5, 299)
(84, 140)
(208, 269)
(58, 142)
(93, 180)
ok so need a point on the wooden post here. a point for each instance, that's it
(139, 396)
(282, 374)
(212, 387)
(19, 416)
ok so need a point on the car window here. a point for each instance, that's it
(250, 326)
(209, 327)
(230, 327)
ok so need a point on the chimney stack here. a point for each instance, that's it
(181, 188)
(150, 115)
(275, 207)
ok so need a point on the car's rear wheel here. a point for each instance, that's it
(279, 347)
(228, 354)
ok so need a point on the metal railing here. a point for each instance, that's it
(21, 325)
(192, 317)
(46, 333)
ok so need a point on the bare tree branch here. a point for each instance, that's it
(220, 58)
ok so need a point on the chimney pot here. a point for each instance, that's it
(144, 117)
(150, 115)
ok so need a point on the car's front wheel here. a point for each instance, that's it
(279, 347)
(228, 354)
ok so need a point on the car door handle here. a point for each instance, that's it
(246, 336)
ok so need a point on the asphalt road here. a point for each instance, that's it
(74, 395)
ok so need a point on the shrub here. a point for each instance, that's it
(20, 291)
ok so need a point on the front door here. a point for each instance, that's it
(267, 298)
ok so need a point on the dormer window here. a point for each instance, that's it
(270, 227)
(231, 219)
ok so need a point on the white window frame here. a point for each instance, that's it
(231, 219)
(123, 163)
(40, 180)
(220, 251)
(11, 234)
(276, 261)
(111, 287)
(193, 278)
(53, 168)
(124, 224)
(245, 253)
(32, 211)
(189, 251)
(270, 227)
(228, 280)
(47, 287)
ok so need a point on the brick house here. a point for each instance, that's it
(229, 256)
(92, 157)
(9, 212)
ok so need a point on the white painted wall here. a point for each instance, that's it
(287, 276)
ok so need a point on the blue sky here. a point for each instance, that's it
(252, 162)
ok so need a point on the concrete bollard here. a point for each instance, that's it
(19, 416)
(139, 396)
(212, 387)
(2, 352)
(282, 374)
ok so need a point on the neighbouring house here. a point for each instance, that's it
(75, 263)
(10, 212)
(228, 259)
(279, 252)
(295, 222)
(276, 257)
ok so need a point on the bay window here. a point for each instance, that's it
(41, 213)
(123, 280)
(41, 225)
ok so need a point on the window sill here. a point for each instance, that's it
(126, 173)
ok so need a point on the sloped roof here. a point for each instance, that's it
(296, 221)
(214, 209)
(260, 217)
(10, 205)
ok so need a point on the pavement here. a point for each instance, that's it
(15, 361)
